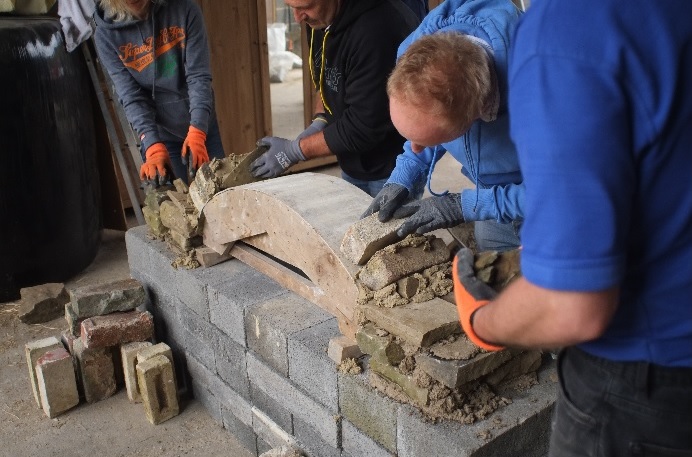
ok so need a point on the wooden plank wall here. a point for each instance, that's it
(237, 33)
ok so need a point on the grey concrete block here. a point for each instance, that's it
(243, 288)
(309, 365)
(311, 443)
(371, 412)
(231, 364)
(294, 400)
(240, 431)
(272, 409)
(356, 443)
(208, 400)
(227, 397)
(269, 431)
(136, 244)
(199, 336)
(268, 326)
(192, 292)
(521, 428)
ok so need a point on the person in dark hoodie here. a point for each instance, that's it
(157, 55)
(353, 47)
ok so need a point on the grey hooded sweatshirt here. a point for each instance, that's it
(160, 68)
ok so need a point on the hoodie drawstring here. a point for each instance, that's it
(312, 75)
(436, 157)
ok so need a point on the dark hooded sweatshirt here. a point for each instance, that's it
(162, 96)
(361, 46)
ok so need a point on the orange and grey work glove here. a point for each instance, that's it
(196, 142)
(157, 160)
(470, 293)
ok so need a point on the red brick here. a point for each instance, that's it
(117, 328)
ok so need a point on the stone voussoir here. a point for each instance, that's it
(368, 236)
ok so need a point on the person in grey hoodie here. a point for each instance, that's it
(157, 55)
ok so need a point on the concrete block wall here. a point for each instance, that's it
(255, 355)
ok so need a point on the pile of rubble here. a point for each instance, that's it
(106, 345)
(408, 325)
(173, 212)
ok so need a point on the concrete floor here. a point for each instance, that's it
(115, 427)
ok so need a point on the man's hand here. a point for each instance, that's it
(319, 122)
(196, 142)
(470, 294)
(388, 200)
(157, 160)
(430, 214)
(281, 154)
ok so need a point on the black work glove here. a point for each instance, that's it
(388, 200)
(430, 214)
(281, 154)
(319, 123)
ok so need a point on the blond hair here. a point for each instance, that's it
(446, 72)
(116, 10)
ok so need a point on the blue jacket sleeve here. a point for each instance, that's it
(410, 167)
(501, 203)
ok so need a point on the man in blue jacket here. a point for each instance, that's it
(448, 93)
(601, 115)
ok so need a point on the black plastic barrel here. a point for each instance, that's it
(50, 214)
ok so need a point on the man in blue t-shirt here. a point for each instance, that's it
(601, 114)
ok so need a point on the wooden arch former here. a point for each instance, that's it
(300, 220)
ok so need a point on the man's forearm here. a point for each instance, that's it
(525, 315)
(314, 146)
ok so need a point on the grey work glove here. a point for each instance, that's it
(318, 124)
(430, 214)
(388, 200)
(281, 154)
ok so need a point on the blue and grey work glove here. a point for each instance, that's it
(388, 200)
(430, 214)
(281, 154)
(319, 122)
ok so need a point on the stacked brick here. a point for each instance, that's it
(417, 351)
(253, 353)
(172, 212)
(107, 344)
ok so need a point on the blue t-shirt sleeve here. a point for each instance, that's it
(570, 126)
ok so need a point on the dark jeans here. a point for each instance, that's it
(214, 149)
(607, 408)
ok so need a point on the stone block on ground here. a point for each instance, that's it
(128, 354)
(157, 386)
(57, 383)
(96, 371)
(42, 303)
(117, 328)
(116, 296)
(34, 350)
(367, 236)
(413, 254)
(420, 324)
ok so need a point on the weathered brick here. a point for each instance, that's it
(117, 328)
(367, 236)
(157, 385)
(116, 296)
(393, 263)
(57, 383)
(382, 348)
(341, 348)
(455, 373)
(96, 371)
(420, 324)
(34, 350)
(128, 354)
